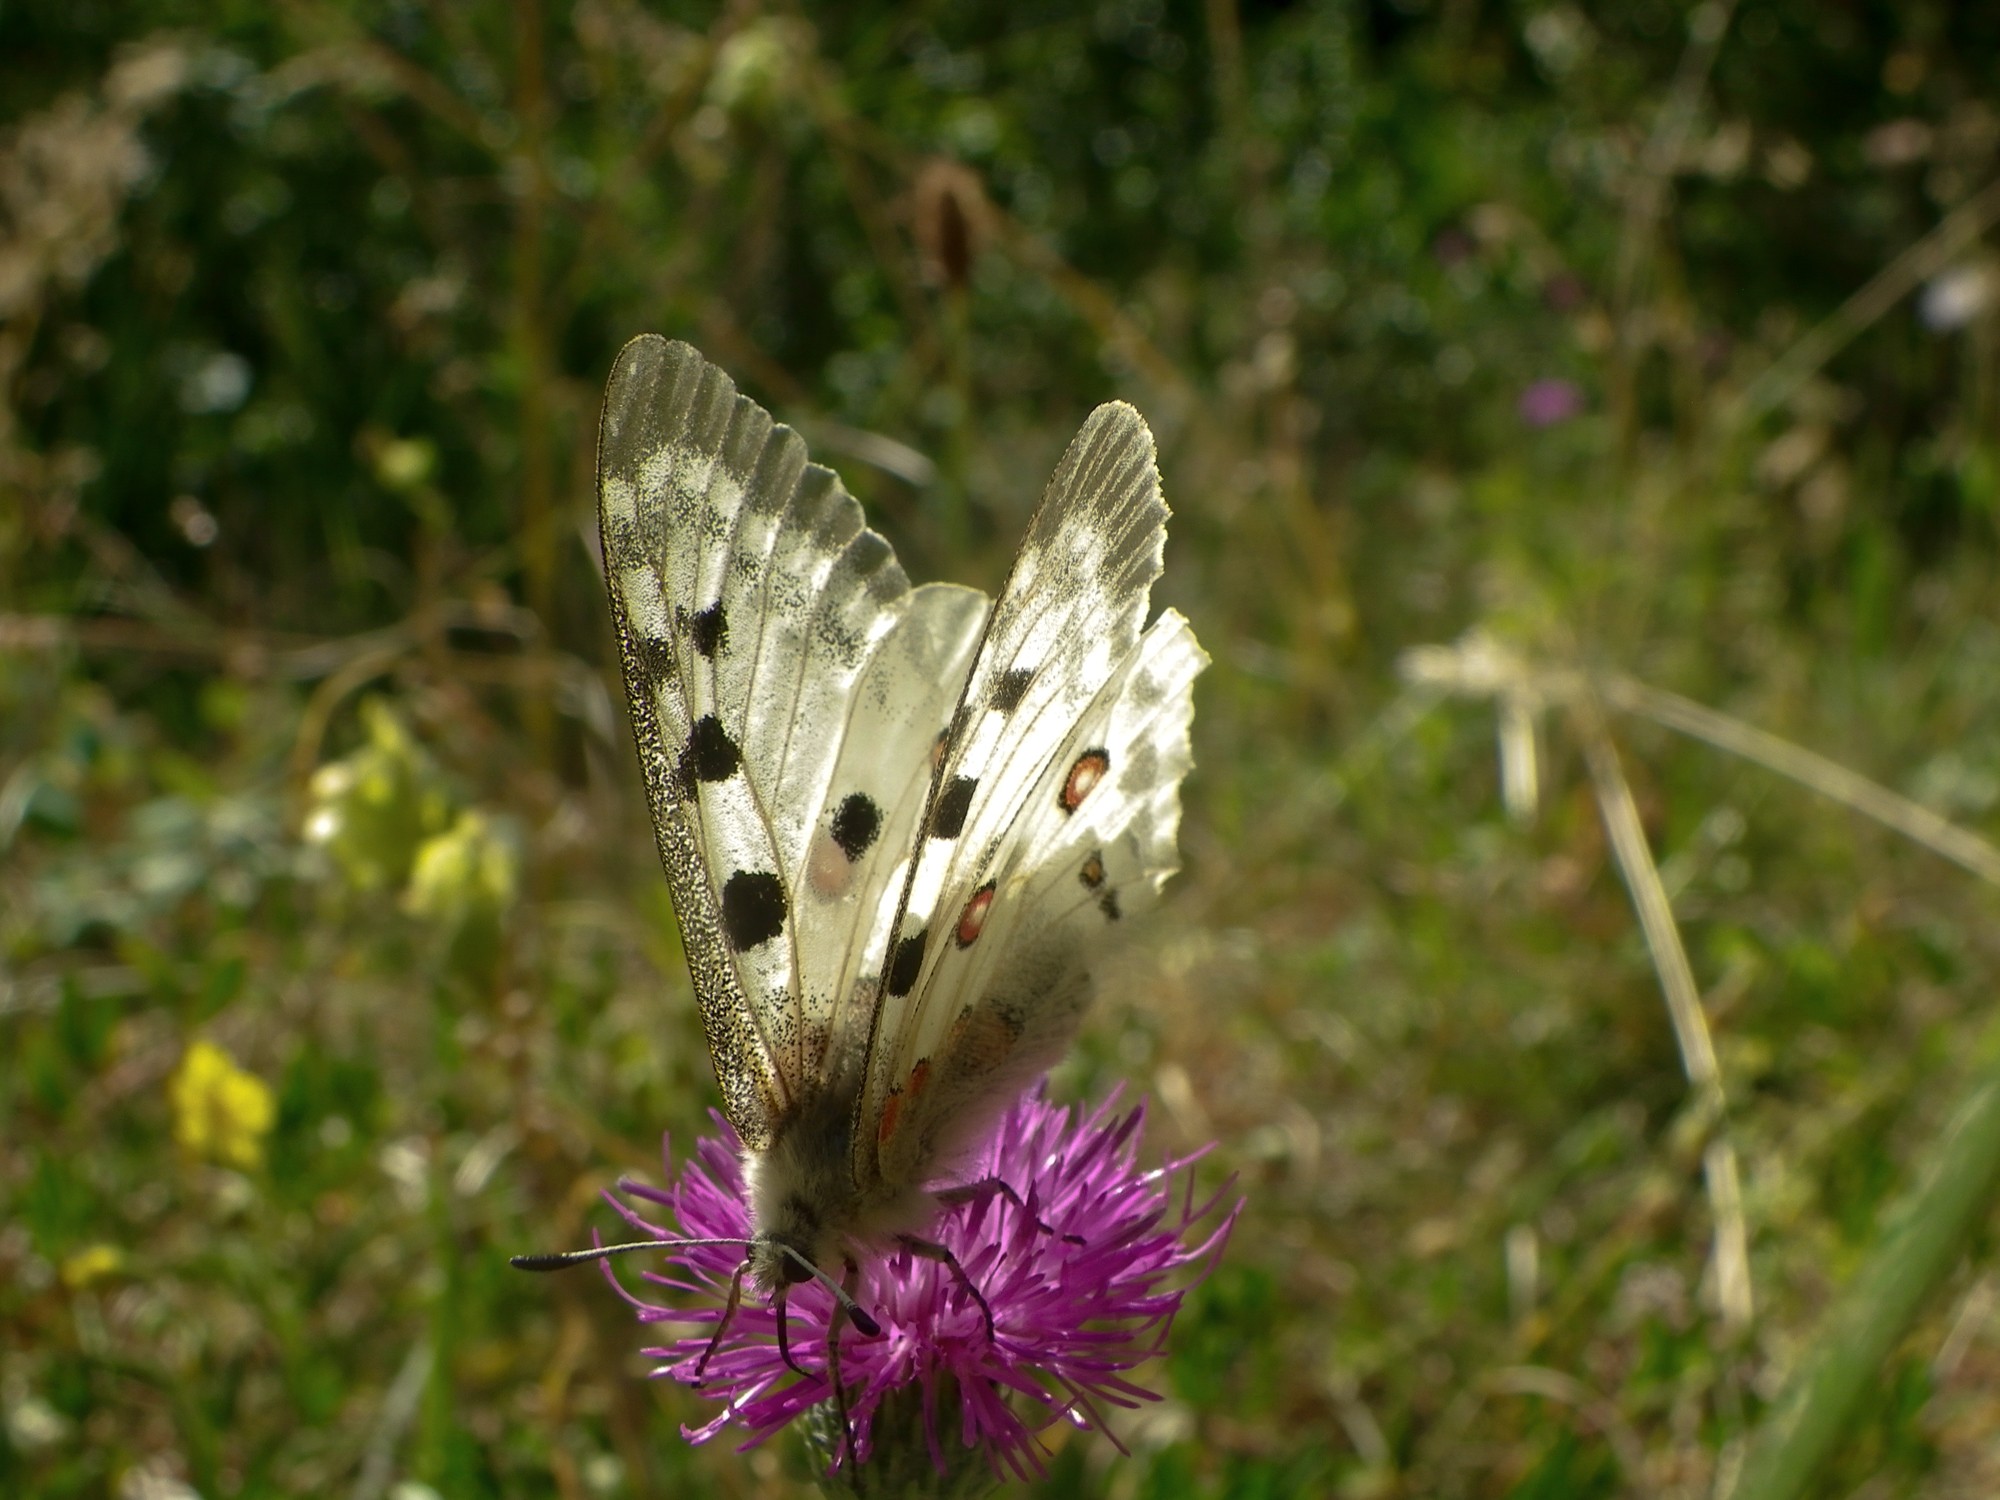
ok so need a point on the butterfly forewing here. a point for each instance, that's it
(750, 600)
(867, 817)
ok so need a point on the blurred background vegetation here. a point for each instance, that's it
(1637, 360)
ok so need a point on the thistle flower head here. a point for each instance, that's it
(1073, 1309)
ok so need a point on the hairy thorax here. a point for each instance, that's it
(805, 1202)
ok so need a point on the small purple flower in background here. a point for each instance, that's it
(1453, 247)
(1548, 402)
(1068, 1319)
(1564, 293)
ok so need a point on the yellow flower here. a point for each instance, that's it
(372, 808)
(469, 870)
(92, 1263)
(220, 1112)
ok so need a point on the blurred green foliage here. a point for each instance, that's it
(1647, 339)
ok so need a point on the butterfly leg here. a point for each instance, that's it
(728, 1317)
(997, 1187)
(850, 1281)
(784, 1339)
(931, 1250)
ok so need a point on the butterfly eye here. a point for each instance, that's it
(793, 1270)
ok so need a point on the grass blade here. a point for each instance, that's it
(1920, 1244)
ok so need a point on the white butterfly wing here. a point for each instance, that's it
(1009, 989)
(826, 749)
(868, 817)
(771, 644)
(1068, 745)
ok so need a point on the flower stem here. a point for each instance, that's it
(899, 1465)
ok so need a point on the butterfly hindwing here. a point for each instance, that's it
(1050, 687)
(1090, 848)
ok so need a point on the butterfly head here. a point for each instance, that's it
(794, 1242)
(776, 1261)
(802, 1201)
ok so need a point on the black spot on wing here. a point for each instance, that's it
(711, 755)
(1011, 688)
(655, 658)
(753, 908)
(857, 822)
(953, 803)
(1092, 876)
(709, 630)
(908, 963)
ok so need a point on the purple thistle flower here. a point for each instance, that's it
(1068, 1318)
(1546, 403)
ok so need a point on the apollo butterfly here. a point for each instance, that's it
(896, 822)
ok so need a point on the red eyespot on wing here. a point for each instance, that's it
(980, 1040)
(973, 921)
(829, 872)
(892, 1110)
(1091, 767)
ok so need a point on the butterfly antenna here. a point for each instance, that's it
(561, 1260)
(845, 1298)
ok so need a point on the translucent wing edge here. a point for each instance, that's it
(651, 387)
